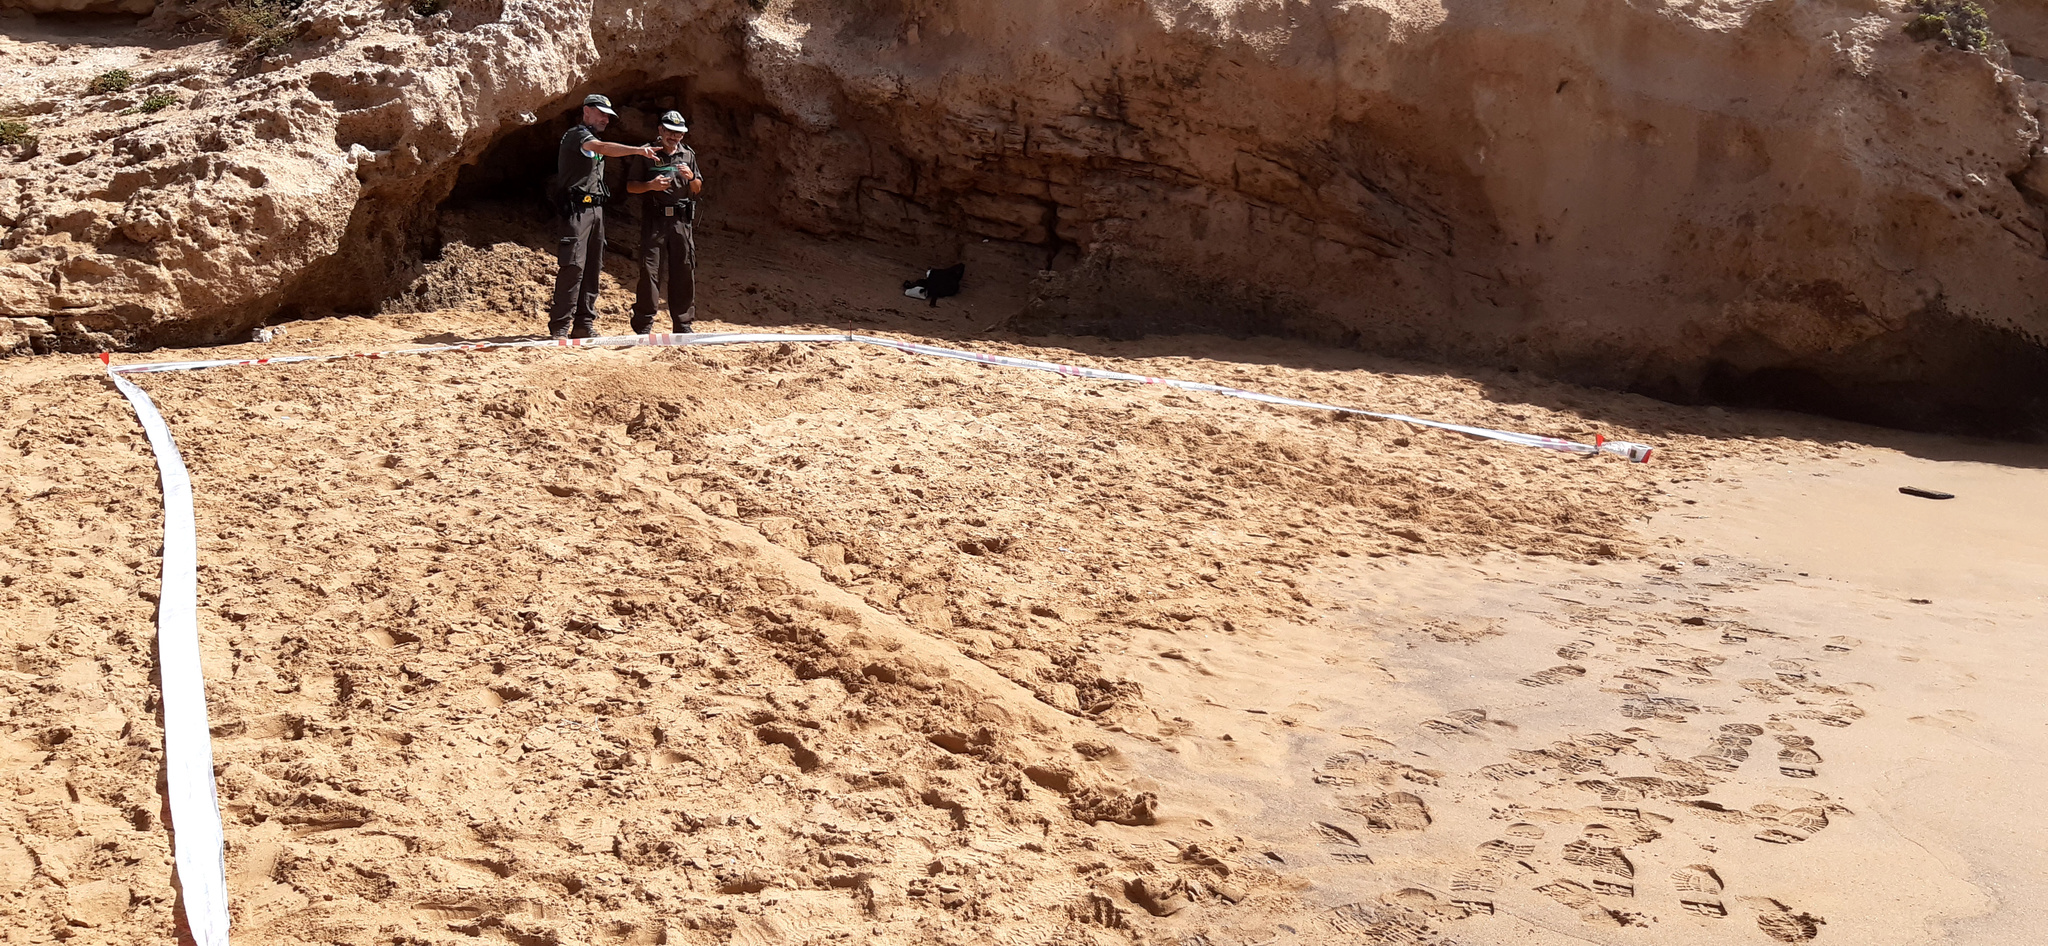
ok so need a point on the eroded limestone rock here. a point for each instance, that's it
(1757, 198)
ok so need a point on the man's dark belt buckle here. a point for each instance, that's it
(668, 211)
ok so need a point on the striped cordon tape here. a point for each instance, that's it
(198, 840)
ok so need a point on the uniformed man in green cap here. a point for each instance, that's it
(668, 185)
(580, 170)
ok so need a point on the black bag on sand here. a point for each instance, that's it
(936, 284)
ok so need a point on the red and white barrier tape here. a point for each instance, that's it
(188, 750)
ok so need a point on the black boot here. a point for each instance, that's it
(583, 330)
(684, 328)
(642, 324)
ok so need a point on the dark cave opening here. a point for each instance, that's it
(1941, 373)
(515, 170)
(499, 209)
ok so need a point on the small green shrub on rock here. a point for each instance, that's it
(112, 80)
(14, 132)
(155, 102)
(1960, 23)
(262, 26)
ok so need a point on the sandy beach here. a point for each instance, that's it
(831, 644)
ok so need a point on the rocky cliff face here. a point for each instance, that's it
(1781, 202)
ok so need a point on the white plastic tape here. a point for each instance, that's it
(188, 744)
(1636, 453)
(188, 750)
(1526, 440)
(609, 341)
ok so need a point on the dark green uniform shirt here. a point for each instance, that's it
(647, 169)
(581, 174)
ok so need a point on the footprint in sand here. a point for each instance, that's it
(1576, 650)
(1669, 708)
(1466, 722)
(1394, 811)
(1778, 922)
(1517, 842)
(1767, 690)
(1678, 768)
(1353, 766)
(1638, 681)
(1581, 753)
(1793, 826)
(1789, 670)
(1699, 664)
(1472, 888)
(1840, 715)
(1635, 788)
(1333, 834)
(1509, 771)
(1342, 844)
(1840, 644)
(1629, 826)
(1098, 910)
(1596, 850)
(1552, 676)
(1605, 860)
(1729, 748)
(1743, 635)
(1579, 897)
(1404, 917)
(1797, 759)
(1699, 890)
(1451, 632)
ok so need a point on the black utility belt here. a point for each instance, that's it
(685, 208)
(585, 200)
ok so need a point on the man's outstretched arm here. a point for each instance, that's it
(614, 150)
